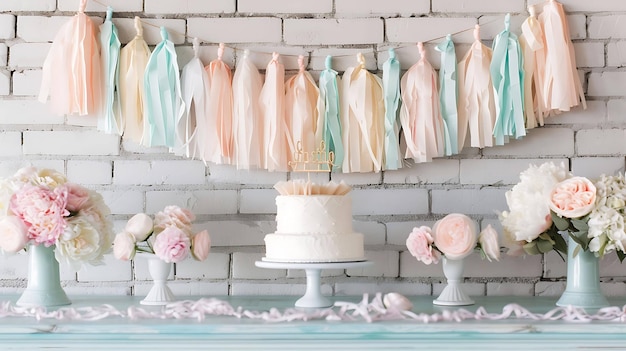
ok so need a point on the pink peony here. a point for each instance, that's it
(173, 216)
(13, 234)
(172, 245)
(420, 243)
(43, 211)
(124, 246)
(201, 245)
(77, 197)
(573, 198)
(455, 235)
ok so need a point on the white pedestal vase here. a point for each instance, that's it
(453, 294)
(160, 293)
(44, 280)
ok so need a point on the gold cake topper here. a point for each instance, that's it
(317, 160)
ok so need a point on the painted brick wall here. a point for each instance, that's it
(237, 207)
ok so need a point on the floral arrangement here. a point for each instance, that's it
(455, 236)
(549, 201)
(40, 207)
(169, 236)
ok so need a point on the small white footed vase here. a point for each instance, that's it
(160, 293)
(453, 294)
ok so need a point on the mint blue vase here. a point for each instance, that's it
(44, 280)
(583, 280)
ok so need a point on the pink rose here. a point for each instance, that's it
(455, 235)
(173, 216)
(201, 245)
(172, 245)
(13, 234)
(124, 246)
(42, 210)
(77, 197)
(573, 198)
(420, 243)
(488, 240)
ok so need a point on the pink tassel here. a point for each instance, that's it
(72, 70)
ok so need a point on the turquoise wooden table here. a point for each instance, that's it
(231, 333)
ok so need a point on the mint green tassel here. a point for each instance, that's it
(507, 75)
(391, 89)
(163, 102)
(329, 93)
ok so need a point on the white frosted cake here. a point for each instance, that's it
(314, 228)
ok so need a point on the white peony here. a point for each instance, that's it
(79, 243)
(528, 202)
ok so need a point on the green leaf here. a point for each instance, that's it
(544, 246)
(621, 256)
(581, 225)
(576, 251)
(531, 248)
(560, 222)
(560, 245)
(582, 242)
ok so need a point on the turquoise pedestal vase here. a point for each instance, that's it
(583, 280)
(44, 281)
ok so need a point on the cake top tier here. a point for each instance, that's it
(306, 187)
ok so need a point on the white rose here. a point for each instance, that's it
(79, 243)
(140, 226)
(488, 240)
(124, 246)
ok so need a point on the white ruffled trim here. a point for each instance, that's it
(342, 311)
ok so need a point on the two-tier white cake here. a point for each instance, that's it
(314, 228)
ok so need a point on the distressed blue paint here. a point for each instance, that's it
(229, 333)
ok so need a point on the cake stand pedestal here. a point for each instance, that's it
(313, 297)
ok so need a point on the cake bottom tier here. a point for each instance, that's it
(280, 247)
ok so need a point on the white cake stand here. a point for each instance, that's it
(313, 297)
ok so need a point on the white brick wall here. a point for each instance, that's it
(485, 6)
(7, 26)
(89, 143)
(189, 6)
(616, 111)
(607, 83)
(284, 6)
(236, 30)
(29, 111)
(151, 30)
(11, 144)
(158, 172)
(333, 31)
(238, 207)
(31, 5)
(412, 30)
(374, 7)
(616, 53)
(609, 26)
(591, 142)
